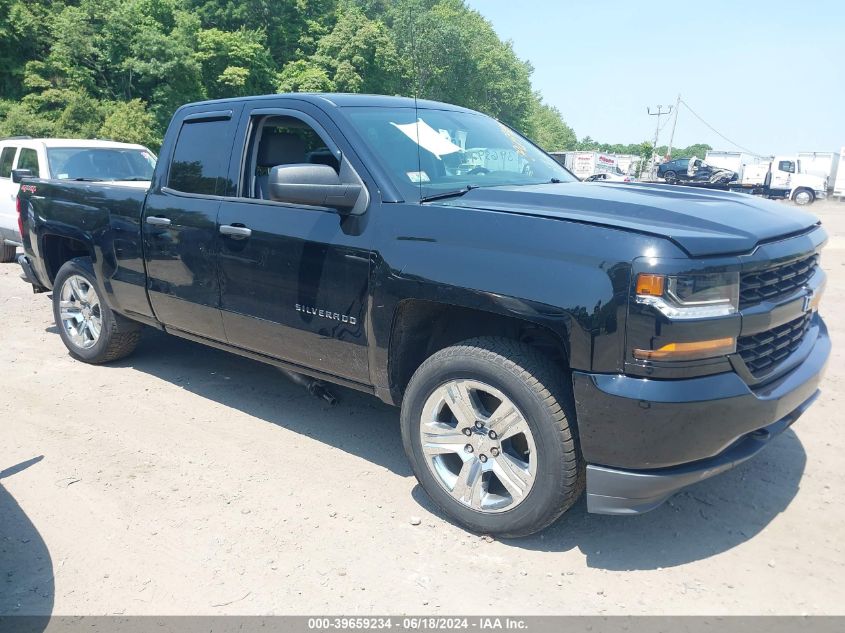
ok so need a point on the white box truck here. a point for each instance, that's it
(587, 163)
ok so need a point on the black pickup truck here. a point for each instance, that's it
(541, 335)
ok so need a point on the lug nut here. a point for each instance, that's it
(467, 431)
(494, 452)
(492, 435)
(483, 458)
(479, 424)
(468, 448)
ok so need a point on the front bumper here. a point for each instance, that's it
(644, 440)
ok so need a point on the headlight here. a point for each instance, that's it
(690, 296)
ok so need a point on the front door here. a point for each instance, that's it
(8, 193)
(294, 279)
(181, 240)
(782, 171)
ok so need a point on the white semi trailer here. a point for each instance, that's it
(839, 182)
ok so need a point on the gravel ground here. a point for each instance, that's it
(185, 480)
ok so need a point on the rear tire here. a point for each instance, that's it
(670, 177)
(7, 253)
(89, 328)
(803, 196)
(529, 472)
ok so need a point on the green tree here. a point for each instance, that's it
(234, 63)
(547, 128)
(357, 55)
(453, 54)
(119, 68)
(130, 122)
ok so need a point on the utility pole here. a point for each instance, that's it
(674, 123)
(658, 114)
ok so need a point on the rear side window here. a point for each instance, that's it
(7, 159)
(201, 158)
(28, 159)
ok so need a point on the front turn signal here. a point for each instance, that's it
(650, 285)
(696, 350)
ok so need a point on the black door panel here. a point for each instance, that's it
(296, 288)
(182, 263)
(181, 239)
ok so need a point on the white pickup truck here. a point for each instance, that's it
(63, 159)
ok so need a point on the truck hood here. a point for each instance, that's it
(701, 221)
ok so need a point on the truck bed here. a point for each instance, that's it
(57, 214)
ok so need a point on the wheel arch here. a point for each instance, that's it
(801, 188)
(57, 249)
(422, 327)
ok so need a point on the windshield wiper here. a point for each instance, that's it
(87, 179)
(133, 179)
(448, 194)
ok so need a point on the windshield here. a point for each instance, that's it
(101, 163)
(436, 151)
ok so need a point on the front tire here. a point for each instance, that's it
(90, 330)
(488, 426)
(803, 196)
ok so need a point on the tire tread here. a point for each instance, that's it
(548, 382)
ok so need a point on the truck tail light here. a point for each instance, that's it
(689, 351)
(19, 208)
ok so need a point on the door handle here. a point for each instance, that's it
(235, 232)
(158, 221)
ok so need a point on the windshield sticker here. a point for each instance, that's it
(418, 176)
(428, 138)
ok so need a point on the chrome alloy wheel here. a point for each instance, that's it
(80, 311)
(478, 446)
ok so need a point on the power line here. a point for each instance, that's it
(735, 144)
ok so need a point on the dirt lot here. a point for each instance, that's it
(185, 480)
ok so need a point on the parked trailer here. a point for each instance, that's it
(588, 163)
(839, 182)
(751, 168)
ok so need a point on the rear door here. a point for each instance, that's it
(181, 241)
(295, 286)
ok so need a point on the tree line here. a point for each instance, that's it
(118, 69)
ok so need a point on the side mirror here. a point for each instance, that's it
(20, 174)
(314, 185)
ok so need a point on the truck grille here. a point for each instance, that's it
(762, 352)
(777, 282)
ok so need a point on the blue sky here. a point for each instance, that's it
(769, 75)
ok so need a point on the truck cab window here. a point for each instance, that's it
(28, 159)
(786, 165)
(201, 159)
(7, 159)
(283, 140)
